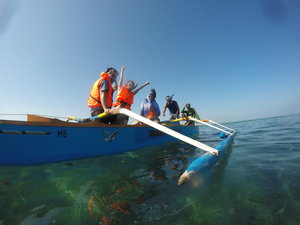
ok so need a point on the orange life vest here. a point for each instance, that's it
(151, 114)
(124, 98)
(94, 98)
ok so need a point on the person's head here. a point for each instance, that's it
(130, 85)
(150, 97)
(113, 73)
(188, 105)
(168, 99)
(153, 92)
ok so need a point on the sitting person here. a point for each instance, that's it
(150, 108)
(101, 95)
(189, 111)
(126, 96)
(173, 108)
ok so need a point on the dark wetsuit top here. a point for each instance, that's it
(173, 107)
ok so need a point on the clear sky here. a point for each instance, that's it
(232, 60)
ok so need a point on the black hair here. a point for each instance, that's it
(111, 69)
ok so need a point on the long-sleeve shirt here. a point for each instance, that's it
(190, 112)
(173, 107)
(147, 106)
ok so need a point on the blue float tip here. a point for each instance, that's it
(223, 135)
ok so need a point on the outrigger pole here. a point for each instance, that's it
(207, 124)
(221, 125)
(204, 122)
(169, 131)
(156, 126)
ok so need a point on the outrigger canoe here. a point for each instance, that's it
(42, 140)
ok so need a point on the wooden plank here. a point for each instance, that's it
(35, 118)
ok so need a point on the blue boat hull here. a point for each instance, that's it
(22, 144)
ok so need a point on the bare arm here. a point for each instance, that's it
(121, 78)
(165, 108)
(140, 88)
(103, 95)
(177, 108)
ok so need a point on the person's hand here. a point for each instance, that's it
(123, 68)
(163, 114)
(107, 111)
(115, 88)
(147, 83)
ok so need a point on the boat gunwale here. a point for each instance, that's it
(60, 123)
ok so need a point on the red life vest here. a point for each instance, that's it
(124, 98)
(94, 98)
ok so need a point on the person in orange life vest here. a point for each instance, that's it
(126, 96)
(101, 95)
(150, 108)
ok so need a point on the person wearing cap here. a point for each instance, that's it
(150, 108)
(125, 96)
(189, 111)
(101, 96)
(173, 108)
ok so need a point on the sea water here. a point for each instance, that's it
(257, 182)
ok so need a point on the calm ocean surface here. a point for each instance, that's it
(258, 182)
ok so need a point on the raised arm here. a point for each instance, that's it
(140, 88)
(121, 78)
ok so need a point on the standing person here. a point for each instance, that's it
(101, 95)
(150, 108)
(173, 108)
(189, 111)
(126, 96)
